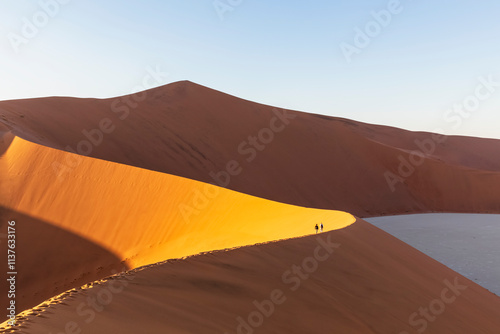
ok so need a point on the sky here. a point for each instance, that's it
(419, 65)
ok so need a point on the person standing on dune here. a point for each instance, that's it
(316, 228)
(321, 227)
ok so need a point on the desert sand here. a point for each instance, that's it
(182, 169)
(466, 243)
(192, 131)
(370, 283)
(104, 217)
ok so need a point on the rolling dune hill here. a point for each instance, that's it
(132, 196)
(365, 282)
(105, 217)
(192, 131)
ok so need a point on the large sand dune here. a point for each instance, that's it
(130, 198)
(105, 216)
(292, 157)
(370, 283)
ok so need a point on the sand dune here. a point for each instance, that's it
(51, 260)
(370, 283)
(130, 198)
(118, 217)
(466, 243)
(192, 131)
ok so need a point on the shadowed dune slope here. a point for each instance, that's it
(50, 260)
(136, 215)
(304, 159)
(371, 283)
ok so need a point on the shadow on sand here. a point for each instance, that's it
(50, 260)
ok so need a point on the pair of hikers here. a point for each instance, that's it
(320, 227)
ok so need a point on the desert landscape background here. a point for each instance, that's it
(192, 131)
(249, 167)
(106, 190)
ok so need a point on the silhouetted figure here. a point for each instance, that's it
(321, 227)
(316, 228)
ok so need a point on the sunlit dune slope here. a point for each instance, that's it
(304, 159)
(371, 283)
(131, 215)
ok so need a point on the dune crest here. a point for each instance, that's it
(133, 197)
(139, 216)
(369, 283)
(288, 156)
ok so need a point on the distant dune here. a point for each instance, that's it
(104, 218)
(304, 159)
(369, 283)
(102, 186)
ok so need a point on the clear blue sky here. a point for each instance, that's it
(284, 53)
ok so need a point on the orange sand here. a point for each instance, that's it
(315, 161)
(136, 216)
(102, 216)
(371, 284)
